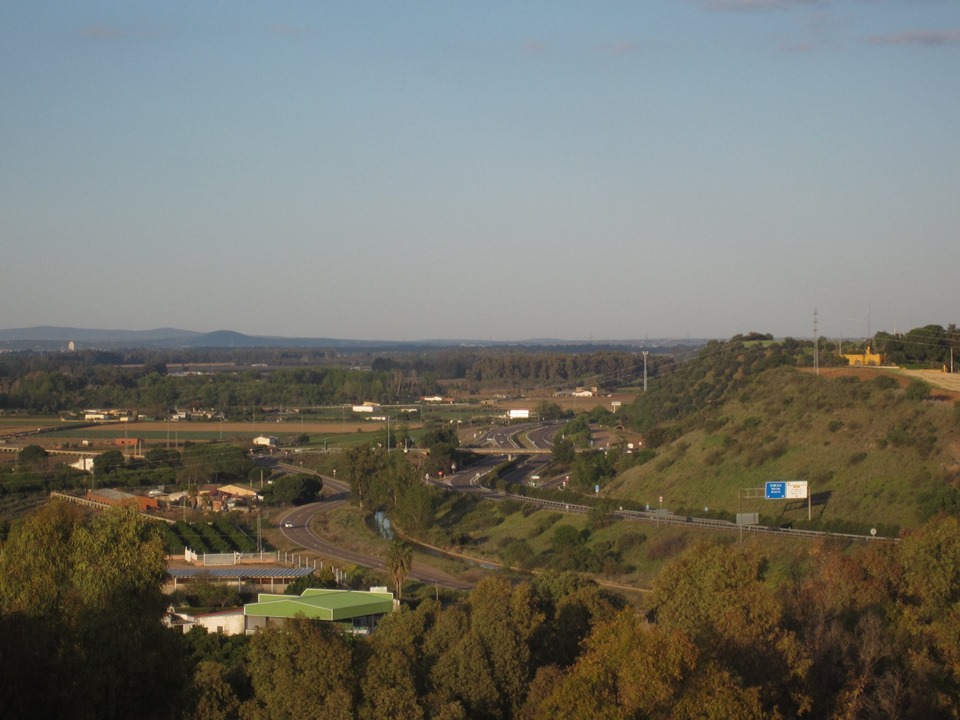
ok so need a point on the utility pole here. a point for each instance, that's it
(644, 370)
(816, 344)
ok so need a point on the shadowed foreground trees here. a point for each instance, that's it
(80, 609)
(862, 631)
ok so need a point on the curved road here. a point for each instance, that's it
(468, 480)
(303, 535)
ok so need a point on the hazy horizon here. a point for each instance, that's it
(384, 171)
(54, 333)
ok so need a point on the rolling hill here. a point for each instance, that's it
(872, 450)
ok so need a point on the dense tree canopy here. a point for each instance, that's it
(80, 609)
(296, 489)
(847, 632)
(58, 382)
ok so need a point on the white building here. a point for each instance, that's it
(84, 463)
(367, 407)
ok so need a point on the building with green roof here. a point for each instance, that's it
(356, 610)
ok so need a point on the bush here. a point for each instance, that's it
(509, 507)
(917, 390)
(885, 382)
(666, 546)
(857, 458)
(630, 540)
(517, 554)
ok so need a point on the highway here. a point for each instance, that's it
(470, 480)
(303, 535)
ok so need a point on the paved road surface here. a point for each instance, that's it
(305, 537)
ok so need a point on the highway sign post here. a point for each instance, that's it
(789, 490)
(775, 491)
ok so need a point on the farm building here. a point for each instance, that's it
(116, 497)
(238, 491)
(367, 407)
(355, 611)
(108, 415)
(358, 611)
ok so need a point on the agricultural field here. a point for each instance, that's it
(219, 536)
(15, 424)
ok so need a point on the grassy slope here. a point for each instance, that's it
(486, 526)
(868, 452)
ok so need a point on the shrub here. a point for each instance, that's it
(917, 390)
(666, 546)
(885, 382)
(517, 554)
(509, 507)
(857, 458)
(630, 540)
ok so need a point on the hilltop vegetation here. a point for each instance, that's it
(743, 414)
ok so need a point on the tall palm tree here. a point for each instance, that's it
(399, 562)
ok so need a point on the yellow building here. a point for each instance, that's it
(866, 359)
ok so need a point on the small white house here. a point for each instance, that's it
(225, 622)
(84, 463)
(267, 441)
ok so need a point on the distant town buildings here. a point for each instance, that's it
(97, 415)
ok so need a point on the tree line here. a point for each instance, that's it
(61, 382)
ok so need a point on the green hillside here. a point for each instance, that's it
(740, 415)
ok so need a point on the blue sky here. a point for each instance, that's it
(495, 170)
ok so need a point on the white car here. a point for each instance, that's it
(287, 524)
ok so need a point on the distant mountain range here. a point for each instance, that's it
(58, 338)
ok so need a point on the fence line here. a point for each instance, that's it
(235, 558)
